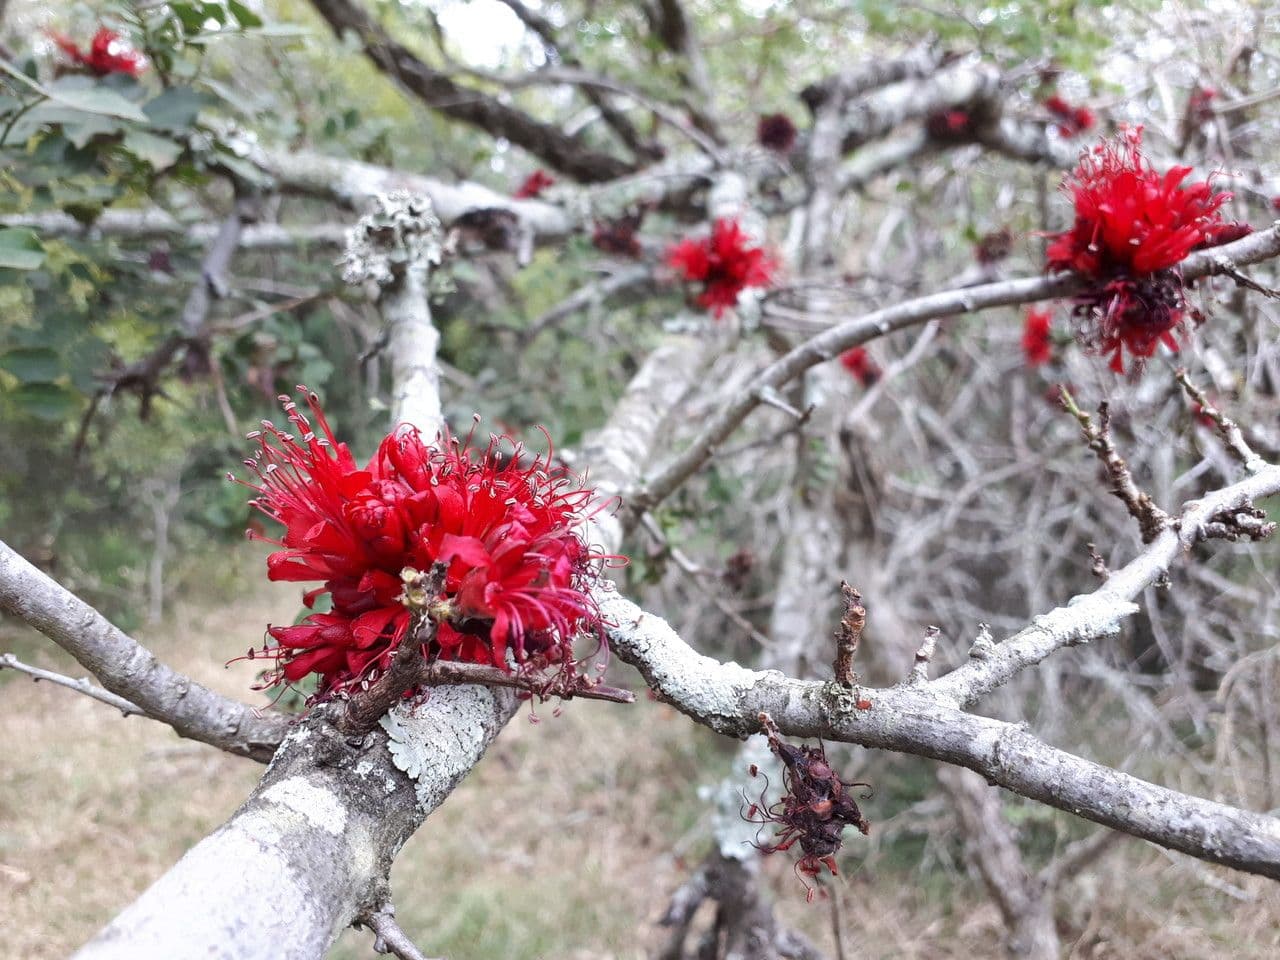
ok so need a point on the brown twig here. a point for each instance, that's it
(1227, 428)
(1097, 566)
(849, 634)
(1151, 519)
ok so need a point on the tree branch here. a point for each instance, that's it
(566, 154)
(1256, 247)
(83, 685)
(129, 670)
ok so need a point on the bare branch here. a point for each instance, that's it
(129, 670)
(546, 141)
(851, 333)
(389, 937)
(83, 685)
(1227, 427)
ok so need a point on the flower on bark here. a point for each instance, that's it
(1037, 337)
(1133, 226)
(516, 573)
(534, 184)
(618, 235)
(776, 132)
(1070, 121)
(860, 366)
(108, 53)
(724, 263)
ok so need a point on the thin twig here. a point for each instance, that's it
(83, 685)
(388, 935)
(1151, 519)
(1227, 428)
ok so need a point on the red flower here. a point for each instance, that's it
(1071, 121)
(950, 125)
(518, 573)
(725, 263)
(1037, 337)
(108, 53)
(776, 132)
(859, 363)
(1133, 225)
(534, 184)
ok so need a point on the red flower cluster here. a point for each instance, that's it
(1070, 121)
(534, 184)
(725, 263)
(776, 132)
(815, 807)
(1037, 337)
(860, 365)
(618, 236)
(953, 125)
(1133, 225)
(108, 53)
(517, 572)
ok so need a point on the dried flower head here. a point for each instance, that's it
(724, 263)
(860, 366)
(994, 246)
(815, 808)
(534, 184)
(1133, 226)
(515, 591)
(108, 53)
(776, 132)
(1037, 337)
(617, 236)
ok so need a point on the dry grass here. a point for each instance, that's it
(565, 843)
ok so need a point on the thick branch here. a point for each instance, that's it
(728, 698)
(129, 670)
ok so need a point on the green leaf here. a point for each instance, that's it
(243, 14)
(20, 249)
(160, 152)
(32, 364)
(98, 100)
(176, 109)
(46, 401)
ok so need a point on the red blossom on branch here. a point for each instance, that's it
(724, 263)
(860, 366)
(534, 184)
(1070, 121)
(776, 132)
(517, 572)
(1200, 104)
(1133, 226)
(108, 53)
(1037, 337)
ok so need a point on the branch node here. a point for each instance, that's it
(983, 644)
(1097, 566)
(849, 634)
(920, 669)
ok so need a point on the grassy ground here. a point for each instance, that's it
(565, 843)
